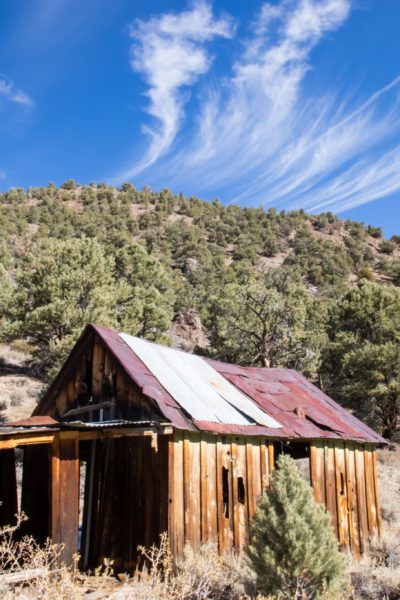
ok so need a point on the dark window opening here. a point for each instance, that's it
(341, 484)
(300, 452)
(225, 492)
(241, 491)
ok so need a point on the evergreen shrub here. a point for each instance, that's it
(293, 549)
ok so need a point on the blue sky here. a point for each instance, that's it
(291, 104)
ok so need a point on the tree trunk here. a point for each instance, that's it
(266, 362)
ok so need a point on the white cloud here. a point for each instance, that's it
(264, 135)
(169, 52)
(11, 93)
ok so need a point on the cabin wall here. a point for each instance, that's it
(214, 485)
(95, 377)
(129, 502)
(344, 478)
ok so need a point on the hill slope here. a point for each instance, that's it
(244, 285)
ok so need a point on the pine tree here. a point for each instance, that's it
(361, 365)
(268, 320)
(292, 547)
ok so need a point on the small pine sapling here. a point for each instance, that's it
(292, 547)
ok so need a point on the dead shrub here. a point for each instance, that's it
(199, 575)
(28, 570)
(17, 398)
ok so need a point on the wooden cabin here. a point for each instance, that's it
(133, 439)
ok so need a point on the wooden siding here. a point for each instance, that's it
(343, 476)
(64, 492)
(98, 377)
(214, 485)
(129, 504)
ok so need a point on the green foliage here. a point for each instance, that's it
(292, 547)
(59, 289)
(375, 232)
(67, 284)
(269, 319)
(388, 246)
(361, 366)
(366, 273)
(320, 261)
(69, 184)
(146, 294)
(5, 291)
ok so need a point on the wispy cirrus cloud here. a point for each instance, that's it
(11, 93)
(170, 52)
(262, 134)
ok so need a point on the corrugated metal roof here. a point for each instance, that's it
(197, 387)
(36, 421)
(280, 393)
(284, 391)
(115, 424)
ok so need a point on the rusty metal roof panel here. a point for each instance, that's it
(37, 421)
(302, 409)
(323, 417)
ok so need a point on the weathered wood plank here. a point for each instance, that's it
(370, 490)
(341, 495)
(195, 491)
(361, 499)
(376, 487)
(249, 487)
(235, 494)
(317, 470)
(203, 489)
(212, 516)
(97, 369)
(271, 457)
(27, 440)
(257, 487)
(186, 488)
(242, 502)
(61, 402)
(352, 506)
(65, 493)
(172, 517)
(330, 483)
(220, 501)
(264, 466)
(177, 495)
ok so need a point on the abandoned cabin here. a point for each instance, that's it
(133, 439)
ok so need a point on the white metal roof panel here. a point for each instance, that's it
(197, 387)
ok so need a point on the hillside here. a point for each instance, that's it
(189, 235)
(243, 285)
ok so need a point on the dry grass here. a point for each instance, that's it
(28, 571)
(199, 575)
(19, 392)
